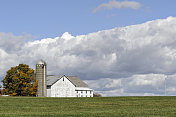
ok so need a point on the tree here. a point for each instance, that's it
(97, 95)
(19, 81)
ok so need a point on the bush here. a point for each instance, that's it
(97, 95)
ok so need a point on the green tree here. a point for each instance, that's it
(19, 81)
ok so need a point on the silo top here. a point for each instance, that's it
(41, 62)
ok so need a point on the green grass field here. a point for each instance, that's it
(83, 107)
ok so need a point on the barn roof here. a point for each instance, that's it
(73, 79)
(76, 81)
(52, 79)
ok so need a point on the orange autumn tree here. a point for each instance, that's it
(19, 81)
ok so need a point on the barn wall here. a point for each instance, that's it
(48, 92)
(63, 88)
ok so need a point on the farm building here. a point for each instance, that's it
(59, 86)
(67, 86)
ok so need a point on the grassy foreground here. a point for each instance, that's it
(83, 107)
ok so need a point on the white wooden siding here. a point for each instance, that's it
(83, 92)
(64, 88)
(49, 92)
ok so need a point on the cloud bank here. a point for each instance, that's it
(136, 85)
(118, 4)
(138, 56)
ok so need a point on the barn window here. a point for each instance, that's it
(63, 79)
(81, 92)
(86, 92)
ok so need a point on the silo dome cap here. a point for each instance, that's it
(41, 62)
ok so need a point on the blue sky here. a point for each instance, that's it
(45, 18)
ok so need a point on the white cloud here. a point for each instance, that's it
(10, 45)
(67, 36)
(118, 4)
(136, 85)
(101, 58)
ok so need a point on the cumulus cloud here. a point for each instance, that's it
(10, 45)
(118, 4)
(66, 35)
(136, 85)
(104, 57)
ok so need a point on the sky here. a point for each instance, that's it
(44, 18)
(118, 47)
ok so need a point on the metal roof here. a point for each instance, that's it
(52, 79)
(76, 81)
(73, 79)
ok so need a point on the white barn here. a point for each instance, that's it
(67, 86)
(56, 86)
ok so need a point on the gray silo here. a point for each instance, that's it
(41, 76)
